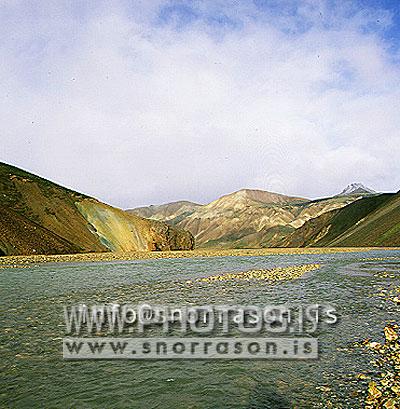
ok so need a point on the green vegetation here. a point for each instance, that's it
(370, 221)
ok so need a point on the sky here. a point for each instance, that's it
(146, 102)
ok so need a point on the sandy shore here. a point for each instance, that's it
(10, 261)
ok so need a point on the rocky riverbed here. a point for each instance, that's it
(18, 261)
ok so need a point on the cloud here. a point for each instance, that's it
(148, 102)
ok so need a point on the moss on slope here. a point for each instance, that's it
(371, 221)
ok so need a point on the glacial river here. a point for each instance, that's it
(34, 374)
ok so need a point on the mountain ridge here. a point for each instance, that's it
(255, 195)
(370, 221)
(165, 211)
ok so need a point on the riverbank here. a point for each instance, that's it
(18, 261)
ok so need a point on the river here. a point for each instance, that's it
(32, 327)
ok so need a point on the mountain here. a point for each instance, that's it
(41, 217)
(356, 189)
(167, 211)
(246, 196)
(247, 218)
(370, 221)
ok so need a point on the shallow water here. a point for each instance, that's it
(32, 325)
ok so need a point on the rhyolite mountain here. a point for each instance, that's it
(370, 221)
(165, 212)
(40, 217)
(247, 218)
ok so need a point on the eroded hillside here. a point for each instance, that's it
(38, 216)
(247, 218)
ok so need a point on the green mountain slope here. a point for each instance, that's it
(371, 221)
(39, 216)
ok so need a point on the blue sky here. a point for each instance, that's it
(392, 32)
(139, 102)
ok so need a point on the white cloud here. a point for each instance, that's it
(134, 111)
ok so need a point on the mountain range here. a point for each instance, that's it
(41, 217)
(357, 216)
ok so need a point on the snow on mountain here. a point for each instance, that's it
(356, 188)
